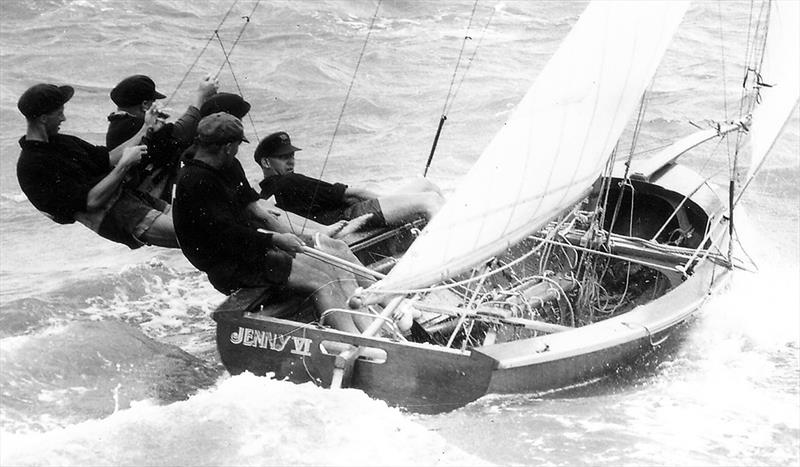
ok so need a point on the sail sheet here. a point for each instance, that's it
(780, 71)
(554, 146)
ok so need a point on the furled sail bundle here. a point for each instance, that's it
(779, 89)
(554, 146)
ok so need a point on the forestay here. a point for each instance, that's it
(780, 72)
(553, 147)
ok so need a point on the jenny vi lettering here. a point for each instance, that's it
(271, 341)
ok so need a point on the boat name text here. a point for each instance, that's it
(271, 341)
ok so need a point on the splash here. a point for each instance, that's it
(244, 420)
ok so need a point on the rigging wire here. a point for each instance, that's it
(454, 284)
(753, 61)
(344, 106)
(733, 165)
(625, 178)
(756, 46)
(450, 93)
(471, 59)
(763, 18)
(208, 42)
(235, 42)
(227, 55)
(458, 60)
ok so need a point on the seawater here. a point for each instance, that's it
(107, 355)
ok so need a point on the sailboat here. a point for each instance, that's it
(580, 261)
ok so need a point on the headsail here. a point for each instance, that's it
(780, 72)
(553, 147)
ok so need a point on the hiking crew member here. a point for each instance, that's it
(217, 217)
(238, 107)
(326, 202)
(165, 142)
(71, 180)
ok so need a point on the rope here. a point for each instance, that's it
(504, 267)
(186, 75)
(344, 106)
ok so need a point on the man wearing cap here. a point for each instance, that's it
(219, 223)
(134, 96)
(328, 202)
(71, 180)
(238, 107)
(226, 102)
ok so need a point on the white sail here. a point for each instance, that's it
(553, 147)
(780, 70)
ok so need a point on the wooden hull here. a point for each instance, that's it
(560, 360)
(418, 377)
(430, 378)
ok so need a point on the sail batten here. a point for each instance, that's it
(554, 146)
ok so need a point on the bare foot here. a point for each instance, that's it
(353, 225)
(334, 230)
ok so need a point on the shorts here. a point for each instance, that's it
(370, 206)
(130, 216)
(272, 268)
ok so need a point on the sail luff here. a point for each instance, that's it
(780, 71)
(554, 146)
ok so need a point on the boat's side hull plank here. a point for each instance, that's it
(566, 372)
(420, 378)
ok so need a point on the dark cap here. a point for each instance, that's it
(134, 90)
(225, 102)
(275, 145)
(43, 98)
(220, 128)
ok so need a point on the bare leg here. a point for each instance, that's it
(161, 232)
(329, 289)
(418, 185)
(398, 209)
(340, 249)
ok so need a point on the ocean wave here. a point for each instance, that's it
(244, 420)
(101, 366)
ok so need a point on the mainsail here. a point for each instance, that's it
(778, 81)
(554, 146)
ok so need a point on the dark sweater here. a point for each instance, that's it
(213, 226)
(309, 197)
(57, 176)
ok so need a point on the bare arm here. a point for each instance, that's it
(261, 209)
(287, 222)
(207, 88)
(186, 126)
(101, 193)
